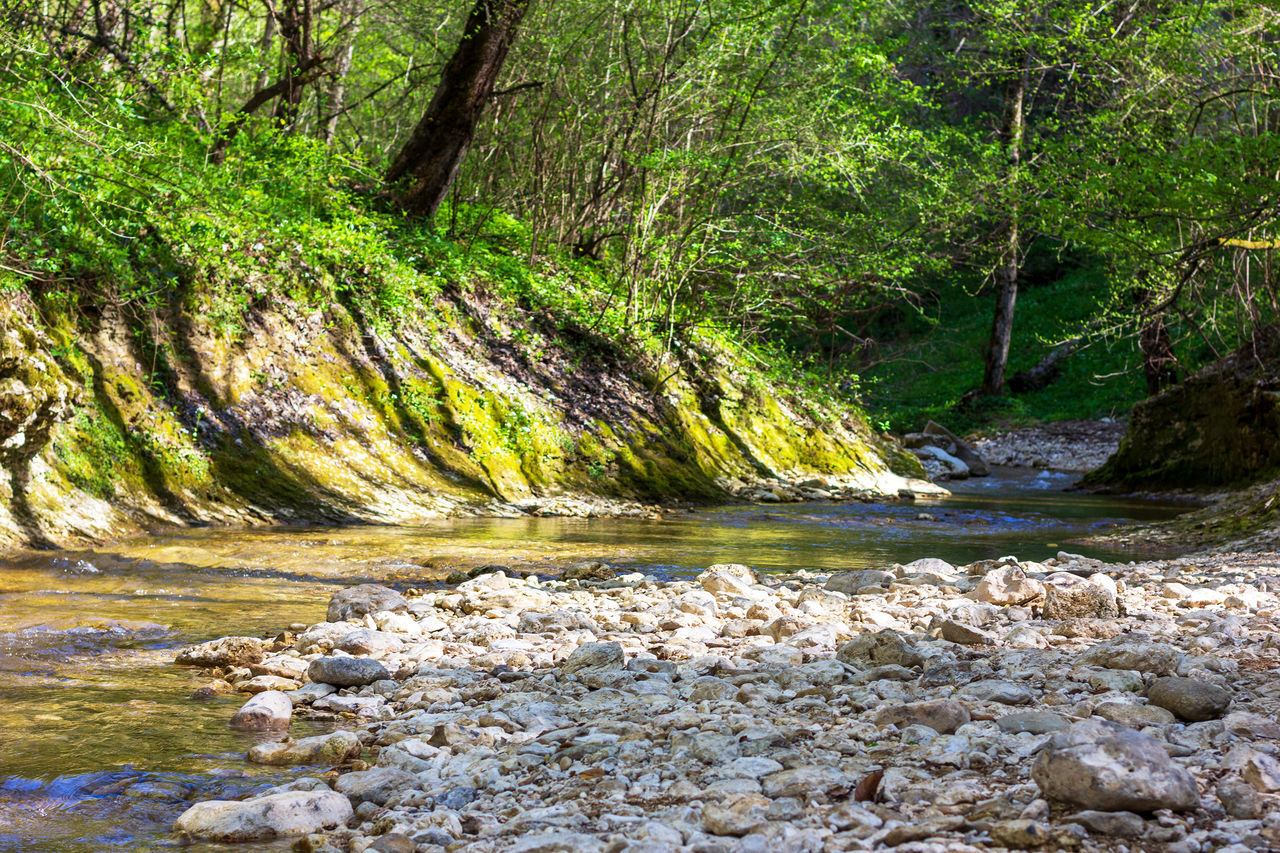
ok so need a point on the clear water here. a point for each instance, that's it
(103, 748)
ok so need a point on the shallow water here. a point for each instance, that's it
(103, 747)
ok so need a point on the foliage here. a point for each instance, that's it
(819, 180)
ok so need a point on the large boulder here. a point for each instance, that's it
(1105, 766)
(1191, 699)
(265, 818)
(270, 709)
(1220, 426)
(354, 602)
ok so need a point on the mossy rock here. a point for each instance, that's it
(1219, 427)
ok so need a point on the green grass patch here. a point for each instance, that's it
(939, 360)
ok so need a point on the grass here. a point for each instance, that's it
(938, 359)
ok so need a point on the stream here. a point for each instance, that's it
(102, 746)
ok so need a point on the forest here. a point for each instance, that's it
(860, 192)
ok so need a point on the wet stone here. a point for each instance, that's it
(265, 711)
(225, 651)
(321, 749)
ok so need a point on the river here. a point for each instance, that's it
(104, 748)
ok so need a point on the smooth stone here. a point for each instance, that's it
(263, 683)
(311, 692)
(557, 841)
(850, 582)
(1259, 769)
(930, 565)
(942, 715)
(356, 601)
(590, 570)
(264, 818)
(392, 842)
(1123, 680)
(374, 786)
(1251, 726)
(1240, 799)
(346, 671)
(1034, 722)
(744, 573)
(1189, 698)
(1107, 767)
(879, 649)
(1117, 824)
(720, 582)
(268, 710)
(457, 798)
(322, 749)
(1134, 715)
(992, 690)
(1021, 834)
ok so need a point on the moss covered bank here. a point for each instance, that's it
(115, 421)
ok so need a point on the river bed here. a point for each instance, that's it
(104, 747)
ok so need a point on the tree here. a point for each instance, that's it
(428, 163)
(1006, 271)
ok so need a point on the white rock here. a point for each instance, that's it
(264, 818)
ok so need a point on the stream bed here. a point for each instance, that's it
(103, 746)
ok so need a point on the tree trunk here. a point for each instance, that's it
(1006, 272)
(1159, 364)
(295, 22)
(336, 102)
(428, 163)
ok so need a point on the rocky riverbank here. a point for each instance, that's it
(1004, 705)
(1075, 447)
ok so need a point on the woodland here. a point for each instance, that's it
(860, 193)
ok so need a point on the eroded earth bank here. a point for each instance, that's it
(1063, 704)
